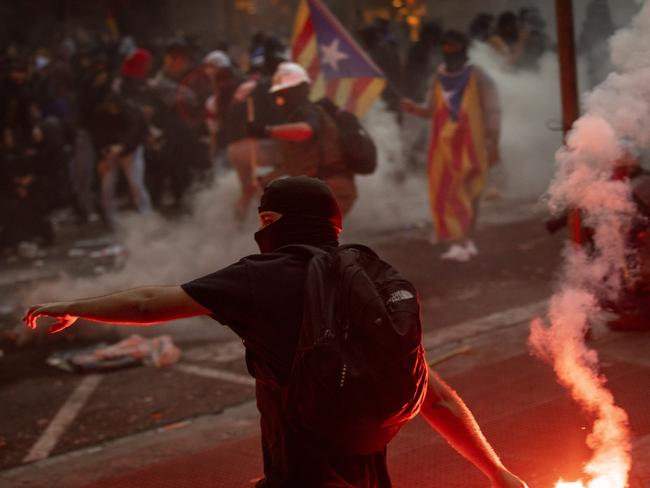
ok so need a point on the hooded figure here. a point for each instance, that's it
(305, 142)
(261, 298)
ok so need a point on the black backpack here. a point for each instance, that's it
(358, 150)
(359, 373)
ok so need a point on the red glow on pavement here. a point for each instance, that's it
(576, 366)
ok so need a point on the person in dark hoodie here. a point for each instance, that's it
(260, 298)
(119, 131)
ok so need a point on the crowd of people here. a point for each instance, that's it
(95, 126)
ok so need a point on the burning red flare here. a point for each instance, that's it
(562, 344)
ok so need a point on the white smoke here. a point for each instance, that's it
(530, 104)
(530, 108)
(383, 203)
(167, 252)
(613, 127)
(162, 251)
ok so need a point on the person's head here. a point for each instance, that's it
(137, 65)
(454, 50)
(481, 26)
(218, 67)
(216, 60)
(508, 27)
(177, 58)
(297, 210)
(290, 86)
(273, 53)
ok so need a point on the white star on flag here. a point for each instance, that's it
(332, 55)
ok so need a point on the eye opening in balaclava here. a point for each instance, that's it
(310, 214)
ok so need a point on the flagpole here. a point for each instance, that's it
(568, 77)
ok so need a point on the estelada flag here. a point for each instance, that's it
(338, 67)
(458, 162)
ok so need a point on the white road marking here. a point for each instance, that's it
(471, 328)
(217, 374)
(64, 417)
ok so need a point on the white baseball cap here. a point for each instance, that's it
(218, 59)
(288, 75)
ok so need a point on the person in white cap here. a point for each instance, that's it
(307, 142)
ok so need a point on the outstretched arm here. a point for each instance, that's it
(138, 306)
(296, 131)
(446, 412)
(424, 111)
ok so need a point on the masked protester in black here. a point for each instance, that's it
(260, 298)
(317, 221)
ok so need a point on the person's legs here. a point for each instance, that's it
(273, 430)
(82, 165)
(108, 180)
(245, 156)
(133, 166)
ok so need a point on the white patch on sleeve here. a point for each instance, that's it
(399, 295)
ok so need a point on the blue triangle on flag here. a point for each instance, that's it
(339, 55)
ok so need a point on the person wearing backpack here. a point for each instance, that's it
(314, 139)
(318, 356)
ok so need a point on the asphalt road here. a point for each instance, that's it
(47, 412)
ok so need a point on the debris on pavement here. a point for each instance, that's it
(135, 350)
(104, 251)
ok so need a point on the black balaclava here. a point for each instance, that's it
(454, 50)
(310, 214)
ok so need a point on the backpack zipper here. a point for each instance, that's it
(344, 372)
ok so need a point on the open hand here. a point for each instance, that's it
(55, 310)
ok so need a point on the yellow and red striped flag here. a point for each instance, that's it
(458, 162)
(338, 67)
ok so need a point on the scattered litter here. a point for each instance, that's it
(99, 269)
(76, 252)
(108, 251)
(29, 250)
(89, 243)
(135, 350)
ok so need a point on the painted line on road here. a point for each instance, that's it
(64, 417)
(217, 374)
(472, 328)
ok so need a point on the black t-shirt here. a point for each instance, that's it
(307, 112)
(260, 298)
